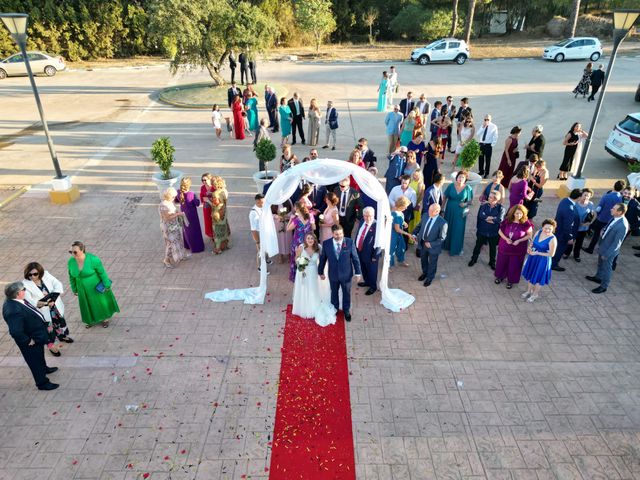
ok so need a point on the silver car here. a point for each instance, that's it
(40, 63)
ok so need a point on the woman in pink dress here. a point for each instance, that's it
(281, 215)
(238, 119)
(519, 190)
(206, 189)
(515, 232)
(509, 156)
(330, 216)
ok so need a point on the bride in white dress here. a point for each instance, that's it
(311, 295)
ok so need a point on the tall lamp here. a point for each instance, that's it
(623, 21)
(63, 191)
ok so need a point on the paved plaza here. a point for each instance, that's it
(469, 383)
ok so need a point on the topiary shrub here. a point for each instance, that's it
(265, 152)
(469, 155)
(162, 153)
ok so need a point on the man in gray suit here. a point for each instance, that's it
(430, 233)
(611, 240)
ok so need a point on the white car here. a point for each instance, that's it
(576, 48)
(624, 141)
(40, 63)
(444, 50)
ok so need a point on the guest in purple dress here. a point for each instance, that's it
(515, 233)
(189, 204)
(300, 224)
(519, 190)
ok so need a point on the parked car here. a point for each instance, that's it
(638, 93)
(40, 63)
(624, 141)
(444, 50)
(575, 48)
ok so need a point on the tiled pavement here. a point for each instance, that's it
(470, 382)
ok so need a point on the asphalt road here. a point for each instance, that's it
(104, 121)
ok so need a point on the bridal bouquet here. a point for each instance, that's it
(301, 264)
(283, 214)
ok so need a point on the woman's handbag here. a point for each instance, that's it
(100, 288)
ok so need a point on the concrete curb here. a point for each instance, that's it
(14, 195)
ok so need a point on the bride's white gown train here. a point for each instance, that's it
(311, 295)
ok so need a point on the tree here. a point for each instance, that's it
(201, 34)
(469, 23)
(409, 21)
(573, 19)
(315, 17)
(369, 18)
(454, 19)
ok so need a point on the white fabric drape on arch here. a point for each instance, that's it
(321, 172)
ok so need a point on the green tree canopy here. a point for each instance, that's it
(315, 17)
(201, 34)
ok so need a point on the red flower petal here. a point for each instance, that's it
(74, 462)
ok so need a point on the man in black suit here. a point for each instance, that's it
(349, 207)
(367, 155)
(597, 79)
(367, 251)
(244, 75)
(28, 328)
(406, 104)
(271, 103)
(297, 111)
(232, 66)
(232, 93)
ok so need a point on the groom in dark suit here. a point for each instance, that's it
(28, 328)
(343, 260)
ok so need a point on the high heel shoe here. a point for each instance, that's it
(55, 354)
(167, 264)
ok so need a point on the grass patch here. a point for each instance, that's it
(205, 94)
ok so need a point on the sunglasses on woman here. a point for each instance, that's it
(33, 274)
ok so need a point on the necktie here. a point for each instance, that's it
(427, 228)
(337, 246)
(343, 204)
(365, 229)
(484, 135)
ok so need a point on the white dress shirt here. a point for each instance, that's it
(254, 218)
(397, 192)
(364, 229)
(492, 134)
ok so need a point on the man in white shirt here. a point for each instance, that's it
(487, 138)
(254, 220)
(403, 190)
(367, 251)
(393, 85)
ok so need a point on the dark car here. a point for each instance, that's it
(638, 93)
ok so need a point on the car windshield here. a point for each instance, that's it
(563, 42)
(433, 44)
(630, 124)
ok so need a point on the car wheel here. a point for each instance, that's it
(423, 60)
(460, 59)
(559, 57)
(50, 71)
(3, 74)
(594, 56)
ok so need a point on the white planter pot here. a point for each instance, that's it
(261, 181)
(163, 184)
(473, 179)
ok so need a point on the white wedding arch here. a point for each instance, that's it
(321, 172)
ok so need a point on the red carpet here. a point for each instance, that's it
(312, 438)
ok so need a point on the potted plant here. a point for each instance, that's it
(467, 160)
(265, 153)
(162, 154)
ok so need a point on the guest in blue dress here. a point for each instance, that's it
(537, 268)
(417, 145)
(458, 197)
(398, 246)
(285, 120)
(382, 92)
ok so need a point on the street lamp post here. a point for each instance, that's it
(623, 20)
(16, 23)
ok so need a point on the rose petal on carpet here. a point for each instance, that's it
(312, 438)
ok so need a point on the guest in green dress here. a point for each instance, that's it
(407, 129)
(285, 120)
(252, 112)
(85, 274)
(382, 92)
(458, 197)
